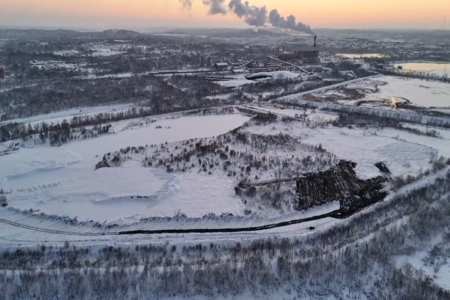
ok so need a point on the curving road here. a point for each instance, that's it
(333, 214)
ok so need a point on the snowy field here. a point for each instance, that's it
(403, 157)
(420, 92)
(103, 50)
(241, 79)
(237, 81)
(404, 153)
(313, 116)
(361, 55)
(432, 68)
(66, 53)
(379, 89)
(85, 234)
(63, 180)
(46, 65)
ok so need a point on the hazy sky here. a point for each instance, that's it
(141, 14)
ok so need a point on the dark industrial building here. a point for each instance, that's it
(304, 54)
(299, 51)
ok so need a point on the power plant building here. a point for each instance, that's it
(299, 51)
(306, 54)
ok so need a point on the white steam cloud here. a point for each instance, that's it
(251, 14)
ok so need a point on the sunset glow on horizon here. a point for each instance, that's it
(433, 14)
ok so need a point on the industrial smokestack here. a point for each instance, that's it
(252, 15)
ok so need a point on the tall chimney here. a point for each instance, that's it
(315, 41)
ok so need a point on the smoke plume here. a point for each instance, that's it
(288, 23)
(252, 15)
(215, 6)
(186, 3)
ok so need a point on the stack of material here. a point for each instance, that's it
(339, 184)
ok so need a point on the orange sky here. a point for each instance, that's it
(150, 13)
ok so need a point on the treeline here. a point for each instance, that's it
(54, 134)
(64, 131)
(162, 94)
(418, 75)
(352, 260)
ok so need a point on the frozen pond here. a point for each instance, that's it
(63, 180)
(433, 68)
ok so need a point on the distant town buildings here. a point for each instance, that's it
(299, 50)
(305, 54)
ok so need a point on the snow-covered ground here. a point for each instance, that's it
(237, 81)
(66, 53)
(63, 180)
(433, 68)
(419, 92)
(55, 231)
(59, 116)
(314, 116)
(360, 55)
(102, 50)
(423, 93)
(440, 276)
(404, 153)
(92, 76)
(241, 79)
(46, 65)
